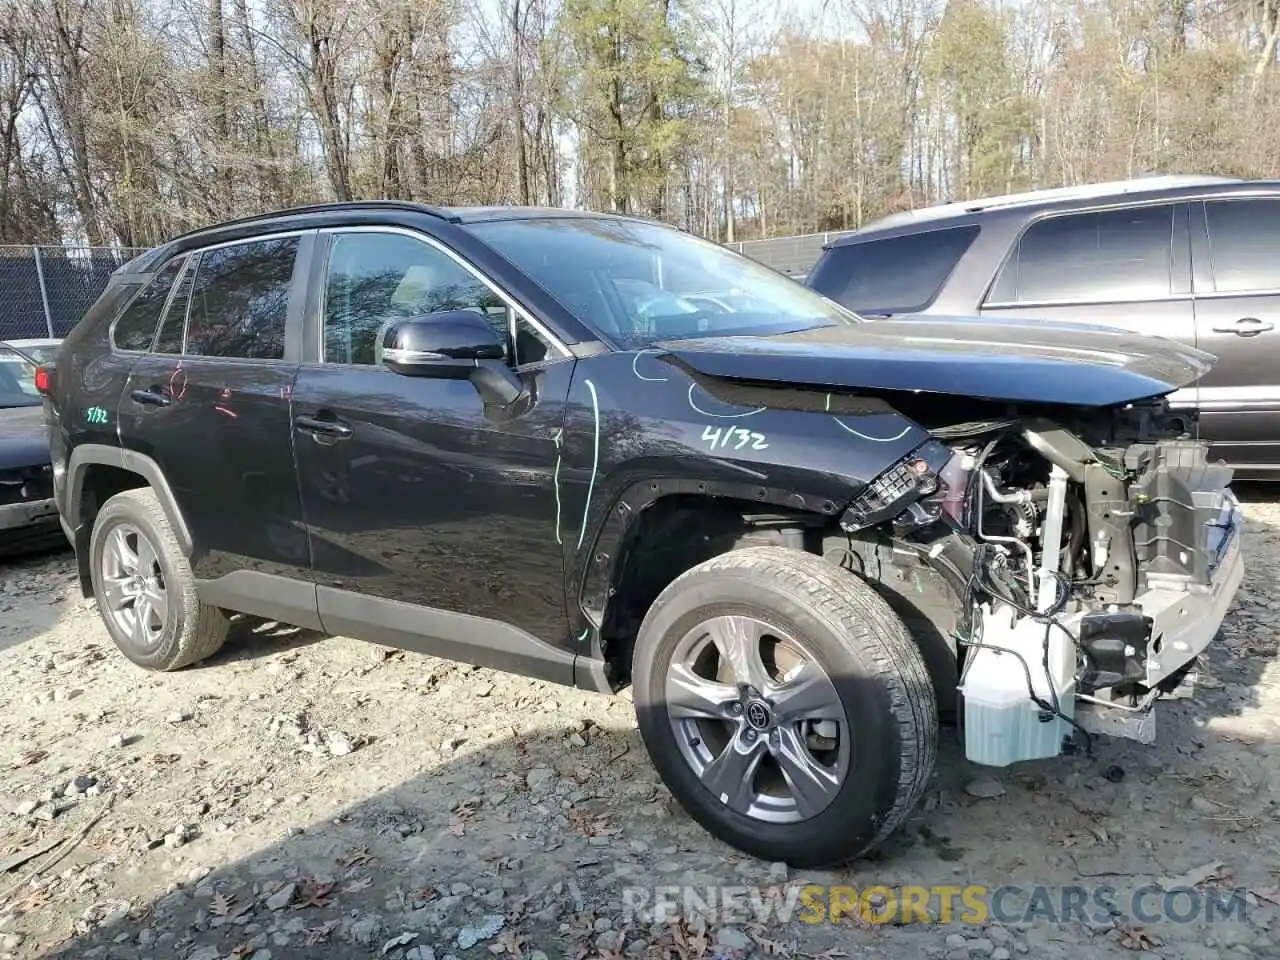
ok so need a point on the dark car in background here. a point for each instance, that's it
(1190, 258)
(28, 514)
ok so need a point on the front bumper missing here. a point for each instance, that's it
(1187, 616)
(1112, 721)
(28, 513)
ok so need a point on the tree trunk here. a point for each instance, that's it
(517, 106)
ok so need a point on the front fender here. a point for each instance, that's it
(638, 428)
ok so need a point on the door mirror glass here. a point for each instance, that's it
(448, 344)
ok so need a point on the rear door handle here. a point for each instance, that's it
(1245, 327)
(323, 428)
(151, 398)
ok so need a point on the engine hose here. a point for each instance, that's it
(1076, 537)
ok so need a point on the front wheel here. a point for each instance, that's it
(785, 705)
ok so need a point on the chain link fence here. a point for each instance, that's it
(794, 256)
(45, 290)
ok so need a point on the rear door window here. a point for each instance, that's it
(894, 275)
(1095, 257)
(240, 299)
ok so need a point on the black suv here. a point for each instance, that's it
(598, 451)
(1191, 258)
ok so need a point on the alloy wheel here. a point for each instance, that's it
(758, 719)
(133, 586)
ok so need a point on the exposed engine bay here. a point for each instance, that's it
(1091, 554)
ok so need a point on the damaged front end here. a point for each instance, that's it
(1091, 556)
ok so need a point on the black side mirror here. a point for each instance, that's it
(449, 344)
(453, 345)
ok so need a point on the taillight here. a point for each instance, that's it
(44, 380)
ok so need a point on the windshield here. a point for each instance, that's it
(638, 283)
(18, 375)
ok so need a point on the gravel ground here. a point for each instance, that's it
(308, 797)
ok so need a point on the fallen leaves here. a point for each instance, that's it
(35, 900)
(227, 908)
(768, 947)
(1195, 877)
(1241, 738)
(463, 813)
(314, 893)
(1075, 838)
(689, 940)
(509, 944)
(1092, 813)
(591, 825)
(1135, 937)
(357, 857)
(314, 936)
(1203, 780)
(511, 781)
(466, 812)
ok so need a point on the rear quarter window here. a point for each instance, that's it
(136, 327)
(894, 275)
(97, 323)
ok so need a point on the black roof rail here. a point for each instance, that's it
(327, 207)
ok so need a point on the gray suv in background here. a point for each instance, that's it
(1192, 258)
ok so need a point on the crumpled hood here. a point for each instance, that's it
(24, 441)
(1031, 361)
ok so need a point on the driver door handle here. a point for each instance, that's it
(329, 429)
(1245, 327)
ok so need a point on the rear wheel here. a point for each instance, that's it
(785, 705)
(145, 589)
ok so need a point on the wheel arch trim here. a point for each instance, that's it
(90, 454)
(597, 568)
